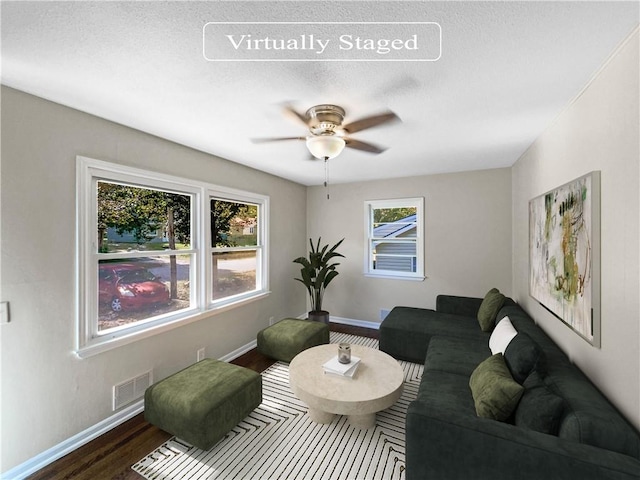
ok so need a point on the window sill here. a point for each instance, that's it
(102, 345)
(396, 277)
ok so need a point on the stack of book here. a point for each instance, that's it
(334, 367)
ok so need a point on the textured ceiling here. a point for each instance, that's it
(506, 70)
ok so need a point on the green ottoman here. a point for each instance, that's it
(287, 338)
(201, 403)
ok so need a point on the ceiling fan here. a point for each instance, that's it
(328, 136)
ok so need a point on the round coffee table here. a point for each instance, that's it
(376, 385)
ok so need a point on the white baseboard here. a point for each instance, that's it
(354, 322)
(349, 321)
(58, 451)
(239, 351)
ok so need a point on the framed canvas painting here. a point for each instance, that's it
(564, 254)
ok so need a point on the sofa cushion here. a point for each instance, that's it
(495, 393)
(489, 308)
(501, 336)
(447, 393)
(589, 418)
(456, 305)
(524, 356)
(455, 355)
(406, 331)
(539, 408)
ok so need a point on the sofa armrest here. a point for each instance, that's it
(447, 444)
(465, 306)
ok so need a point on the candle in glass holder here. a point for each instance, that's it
(344, 353)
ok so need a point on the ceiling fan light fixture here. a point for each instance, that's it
(325, 147)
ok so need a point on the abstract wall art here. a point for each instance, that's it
(564, 254)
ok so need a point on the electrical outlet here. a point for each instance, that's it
(200, 355)
(4, 312)
(270, 320)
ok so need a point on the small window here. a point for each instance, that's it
(394, 238)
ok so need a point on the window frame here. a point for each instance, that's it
(369, 207)
(88, 341)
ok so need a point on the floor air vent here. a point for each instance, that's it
(133, 389)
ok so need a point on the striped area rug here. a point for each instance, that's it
(279, 441)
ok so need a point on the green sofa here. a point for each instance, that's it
(562, 427)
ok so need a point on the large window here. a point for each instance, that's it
(394, 238)
(156, 251)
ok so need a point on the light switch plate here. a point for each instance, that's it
(4, 312)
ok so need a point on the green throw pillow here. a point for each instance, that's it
(489, 308)
(495, 393)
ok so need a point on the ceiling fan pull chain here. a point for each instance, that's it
(326, 175)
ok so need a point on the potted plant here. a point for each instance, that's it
(316, 274)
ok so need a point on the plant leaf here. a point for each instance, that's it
(330, 276)
(303, 261)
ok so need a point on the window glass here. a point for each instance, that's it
(139, 289)
(133, 223)
(233, 224)
(138, 218)
(236, 246)
(394, 256)
(233, 273)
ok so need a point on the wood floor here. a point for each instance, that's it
(111, 455)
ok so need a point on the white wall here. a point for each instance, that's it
(467, 239)
(48, 395)
(598, 131)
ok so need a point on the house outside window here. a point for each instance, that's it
(157, 251)
(394, 244)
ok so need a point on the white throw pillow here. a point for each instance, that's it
(501, 336)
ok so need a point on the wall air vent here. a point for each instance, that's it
(130, 390)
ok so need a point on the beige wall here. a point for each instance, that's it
(598, 131)
(467, 239)
(48, 395)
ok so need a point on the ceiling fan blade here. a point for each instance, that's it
(300, 116)
(364, 146)
(371, 121)
(275, 139)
